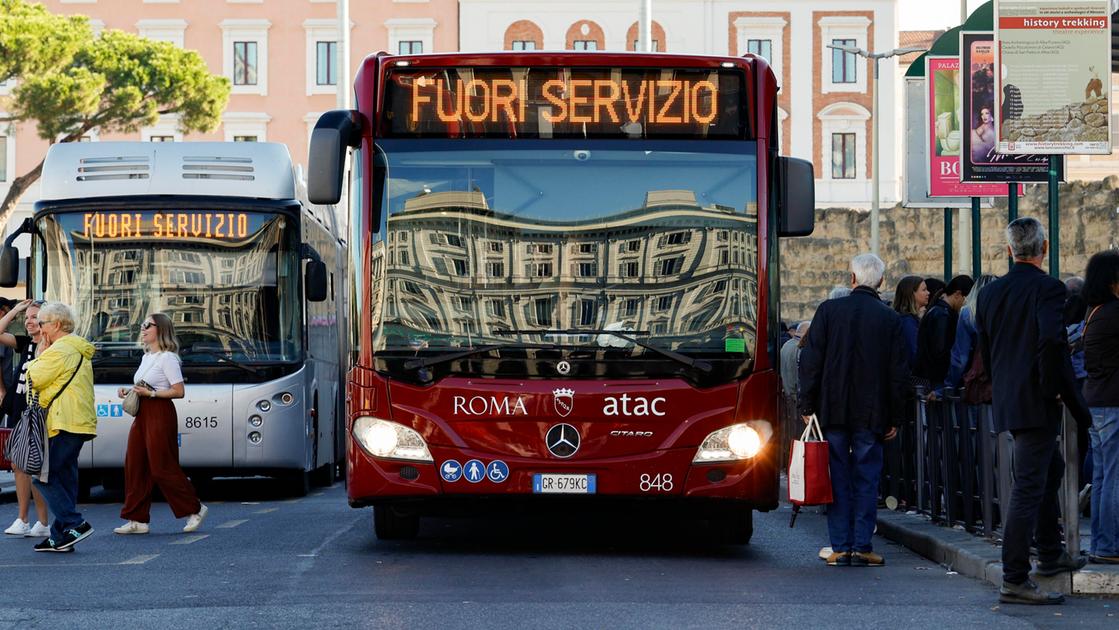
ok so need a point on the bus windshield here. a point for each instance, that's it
(227, 279)
(610, 246)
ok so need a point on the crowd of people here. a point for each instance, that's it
(50, 367)
(1026, 343)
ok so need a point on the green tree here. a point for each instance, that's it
(117, 82)
(34, 40)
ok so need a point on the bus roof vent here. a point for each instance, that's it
(110, 167)
(228, 168)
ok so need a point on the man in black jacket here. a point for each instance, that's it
(937, 331)
(854, 373)
(1024, 345)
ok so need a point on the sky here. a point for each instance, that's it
(928, 15)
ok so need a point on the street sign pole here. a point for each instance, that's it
(976, 247)
(947, 244)
(1054, 218)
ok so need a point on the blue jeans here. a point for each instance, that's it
(61, 489)
(855, 462)
(1105, 481)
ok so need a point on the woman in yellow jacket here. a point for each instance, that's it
(62, 376)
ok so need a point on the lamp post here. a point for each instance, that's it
(644, 27)
(874, 193)
(343, 55)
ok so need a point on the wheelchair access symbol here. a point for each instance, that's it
(497, 471)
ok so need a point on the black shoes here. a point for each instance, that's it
(49, 546)
(1063, 563)
(1028, 593)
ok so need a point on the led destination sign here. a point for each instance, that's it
(166, 225)
(565, 102)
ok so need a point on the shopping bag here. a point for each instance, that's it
(809, 478)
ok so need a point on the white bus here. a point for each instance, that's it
(218, 236)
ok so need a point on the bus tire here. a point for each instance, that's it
(297, 483)
(735, 526)
(391, 523)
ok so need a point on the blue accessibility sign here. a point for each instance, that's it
(450, 471)
(497, 471)
(475, 471)
(110, 410)
(102, 411)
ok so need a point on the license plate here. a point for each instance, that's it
(549, 483)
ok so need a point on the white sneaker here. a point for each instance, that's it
(39, 530)
(194, 521)
(131, 527)
(19, 528)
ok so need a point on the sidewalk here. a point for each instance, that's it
(978, 557)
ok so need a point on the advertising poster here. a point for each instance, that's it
(1053, 90)
(979, 162)
(915, 193)
(945, 133)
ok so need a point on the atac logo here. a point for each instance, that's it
(564, 401)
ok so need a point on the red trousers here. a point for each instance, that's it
(152, 459)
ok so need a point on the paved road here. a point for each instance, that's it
(265, 561)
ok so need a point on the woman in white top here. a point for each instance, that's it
(152, 458)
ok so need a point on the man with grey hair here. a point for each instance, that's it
(1024, 345)
(854, 373)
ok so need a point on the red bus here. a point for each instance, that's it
(564, 281)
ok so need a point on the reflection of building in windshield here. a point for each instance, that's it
(671, 267)
(213, 296)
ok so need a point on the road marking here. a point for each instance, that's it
(141, 559)
(265, 510)
(317, 494)
(250, 503)
(232, 524)
(190, 539)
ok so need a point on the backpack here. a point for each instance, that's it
(27, 447)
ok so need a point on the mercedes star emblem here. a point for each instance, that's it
(562, 440)
(564, 368)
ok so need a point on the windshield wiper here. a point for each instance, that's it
(412, 364)
(699, 364)
(224, 359)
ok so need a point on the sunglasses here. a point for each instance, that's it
(146, 325)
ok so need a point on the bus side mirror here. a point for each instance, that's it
(315, 281)
(9, 267)
(796, 197)
(334, 132)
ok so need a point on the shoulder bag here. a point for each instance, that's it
(131, 402)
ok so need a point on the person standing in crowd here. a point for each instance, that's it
(1101, 358)
(7, 355)
(910, 299)
(1025, 349)
(152, 455)
(1074, 285)
(967, 337)
(14, 404)
(936, 288)
(63, 378)
(839, 292)
(790, 356)
(937, 331)
(853, 377)
(1074, 313)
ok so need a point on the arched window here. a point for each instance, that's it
(659, 41)
(585, 35)
(524, 35)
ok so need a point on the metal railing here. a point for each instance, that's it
(949, 463)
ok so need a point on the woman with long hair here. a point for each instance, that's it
(1101, 392)
(152, 456)
(910, 299)
(967, 336)
(14, 404)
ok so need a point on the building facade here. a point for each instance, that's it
(825, 100)
(280, 56)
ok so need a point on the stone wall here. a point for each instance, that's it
(912, 241)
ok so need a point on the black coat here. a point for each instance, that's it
(854, 370)
(1025, 348)
(935, 337)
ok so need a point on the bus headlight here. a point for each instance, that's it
(734, 443)
(381, 438)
